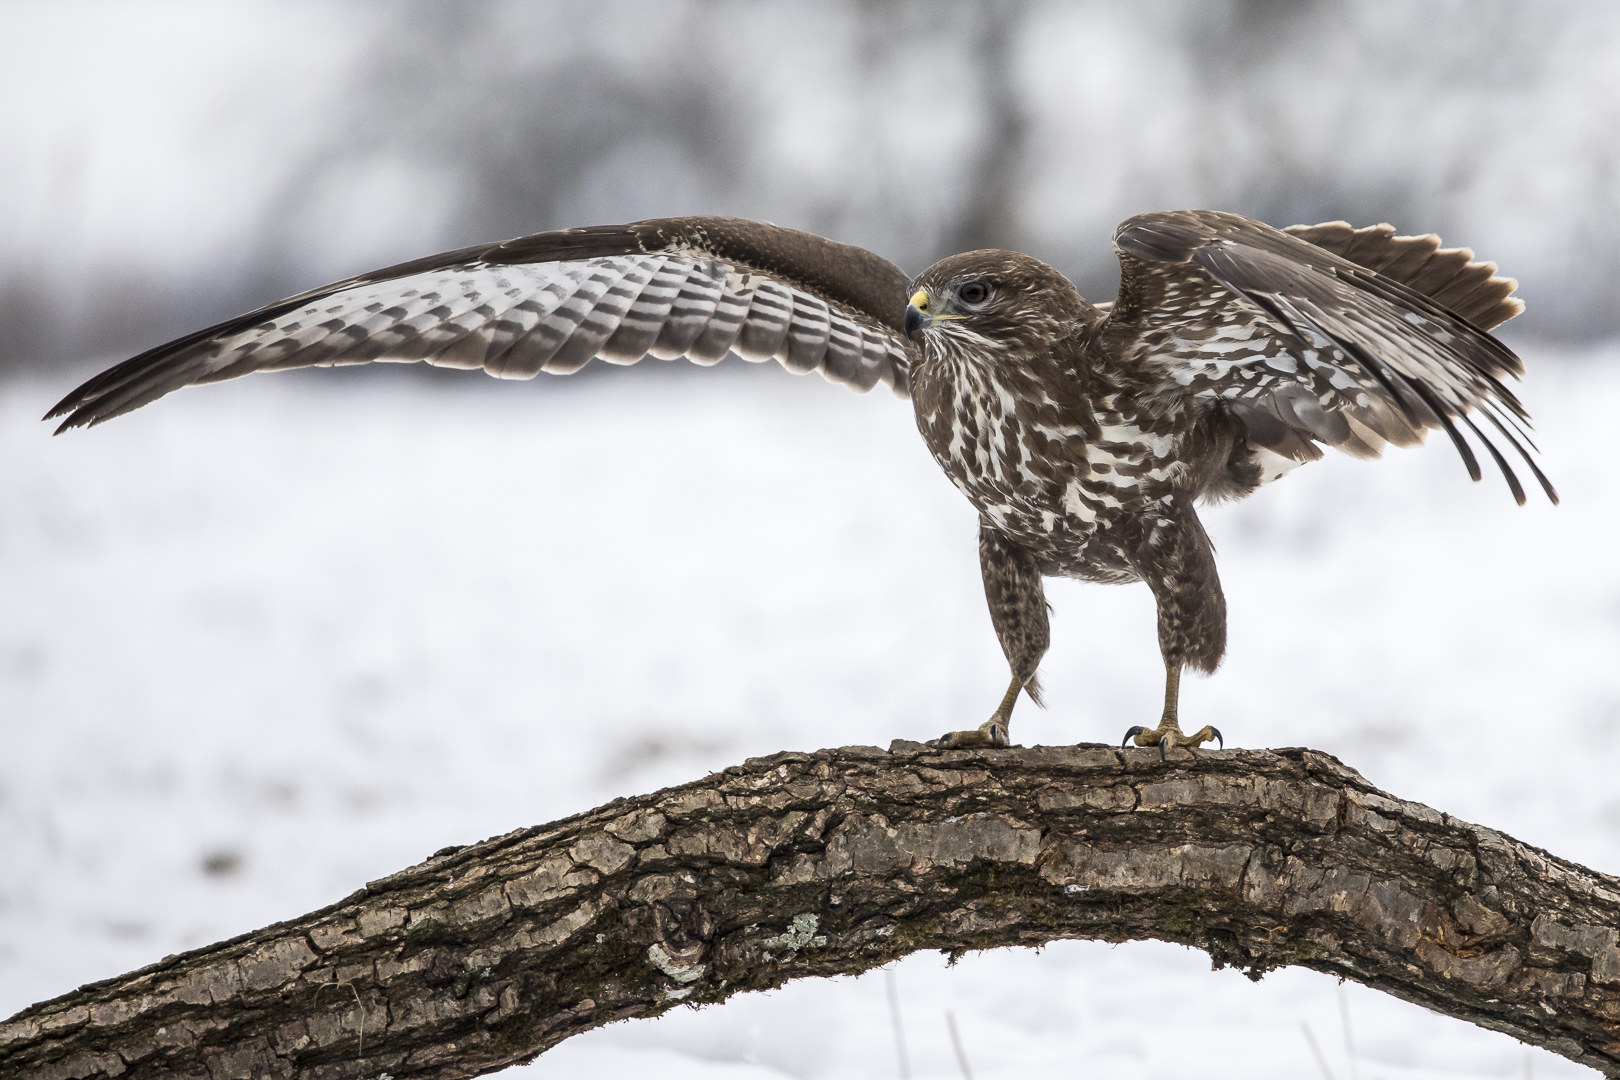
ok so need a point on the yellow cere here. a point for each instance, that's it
(919, 299)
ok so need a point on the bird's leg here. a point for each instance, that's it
(1179, 566)
(1168, 733)
(1012, 588)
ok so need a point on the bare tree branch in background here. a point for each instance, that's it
(517, 113)
(840, 861)
(990, 217)
(503, 119)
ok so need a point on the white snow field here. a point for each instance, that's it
(264, 641)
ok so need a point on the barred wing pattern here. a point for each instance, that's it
(698, 288)
(1448, 276)
(1305, 346)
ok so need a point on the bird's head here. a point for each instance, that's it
(993, 296)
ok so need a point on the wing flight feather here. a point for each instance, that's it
(693, 287)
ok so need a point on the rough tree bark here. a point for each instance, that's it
(839, 861)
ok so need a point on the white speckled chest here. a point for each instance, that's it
(1031, 470)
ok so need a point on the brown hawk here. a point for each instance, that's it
(1084, 434)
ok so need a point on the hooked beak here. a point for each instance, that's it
(917, 316)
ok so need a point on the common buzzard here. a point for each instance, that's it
(1084, 434)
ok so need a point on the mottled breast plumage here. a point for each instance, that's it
(1046, 447)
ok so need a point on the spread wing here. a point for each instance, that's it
(1324, 334)
(672, 287)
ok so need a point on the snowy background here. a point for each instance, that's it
(264, 641)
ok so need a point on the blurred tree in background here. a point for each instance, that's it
(170, 165)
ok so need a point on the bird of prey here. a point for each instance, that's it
(1084, 434)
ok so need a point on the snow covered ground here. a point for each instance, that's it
(267, 640)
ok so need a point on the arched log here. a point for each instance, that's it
(836, 862)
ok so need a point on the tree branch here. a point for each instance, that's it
(839, 861)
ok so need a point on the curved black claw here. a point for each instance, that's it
(1131, 734)
(1215, 731)
(1164, 743)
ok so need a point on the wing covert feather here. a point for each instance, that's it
(1324, 334)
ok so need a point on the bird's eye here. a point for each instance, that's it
(974, 292)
